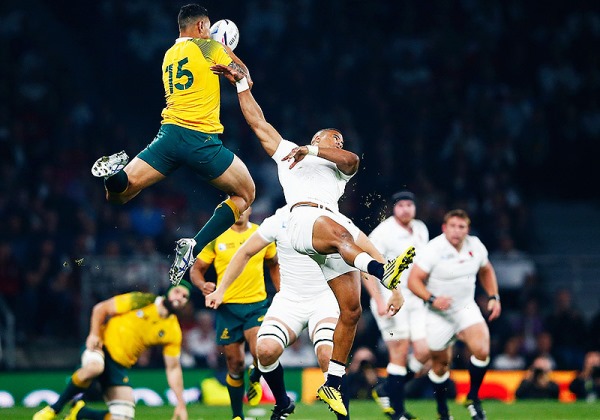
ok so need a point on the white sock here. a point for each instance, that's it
(362, 261)
(336, 369)
(393, 369)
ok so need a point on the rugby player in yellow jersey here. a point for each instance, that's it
(188, 136)
(121, 329)
(244, 305)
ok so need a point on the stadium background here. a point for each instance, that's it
(489, 106)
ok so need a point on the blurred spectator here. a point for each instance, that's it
(568, 329)
(586, 386)
(510, 359)
(543, 348)
(362, 374)
(529, 325)
(10, 275)
(537, 383)
(199, 341)
(514, 270)
(594, 332)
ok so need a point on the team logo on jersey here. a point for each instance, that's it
(161, 333)
(140, 314)
(222, 246)
(225, 334)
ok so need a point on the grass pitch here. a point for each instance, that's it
(363, 410)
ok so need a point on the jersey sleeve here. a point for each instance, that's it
(483, 250)
(285, 146)
(173, 347)
(427, 257)
(268, 229)
(208, 253)
(219, 54)
(132, 301)
(377, 237)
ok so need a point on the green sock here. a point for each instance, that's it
(67, 395)
(90, 413)
(235, 387)
(221, 220)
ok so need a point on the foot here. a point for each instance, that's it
(46, 413)
(107, 166)
(254, 391)
(382, 399)
(394, 268)
(72, 414)
(445, 417)
(475, 409)
(282, 413)
(332, 397)
(184, 259)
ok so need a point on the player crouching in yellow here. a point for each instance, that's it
(121, 329)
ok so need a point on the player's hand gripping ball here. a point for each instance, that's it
(226, 32)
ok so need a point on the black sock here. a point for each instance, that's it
(476, 373)
(255, 375)
(276, 382)
(440, 391)
(91, 414)
(394, 385)
(117, 183)
(375, 268)
(334, 381)
(67, 395)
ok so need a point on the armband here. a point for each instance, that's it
(242, 85)
(313, 150)
(431, 299)
(494, 297)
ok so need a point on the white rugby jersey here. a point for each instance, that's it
(300, 275)
(452, 273)
(313, 179)
(391, 239)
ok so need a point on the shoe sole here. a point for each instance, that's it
(102, 169)
(176, 273)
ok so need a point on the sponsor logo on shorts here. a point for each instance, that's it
(261, 318)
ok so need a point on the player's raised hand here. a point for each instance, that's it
(296, 154)
(233, 72)
(214, 299)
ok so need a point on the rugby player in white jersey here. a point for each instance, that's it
(304, 301)
(444, 276)
(390, 237)
(312, 184)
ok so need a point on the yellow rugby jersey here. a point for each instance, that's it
(249, 287)
(191, 89)
(137, 326)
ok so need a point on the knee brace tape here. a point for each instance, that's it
(274, 330)
(121, 410)
(92, 356)
(323, 334)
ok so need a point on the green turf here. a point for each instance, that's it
(366, 410)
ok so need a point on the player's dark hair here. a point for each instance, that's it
(189, 13)
(460, 213)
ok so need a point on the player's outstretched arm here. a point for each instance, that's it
(175, 381)
(235, 267)
(100, 313)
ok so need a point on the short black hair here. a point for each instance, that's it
(189, 13)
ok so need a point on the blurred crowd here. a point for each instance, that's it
(477, 105)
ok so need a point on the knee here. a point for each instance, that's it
(268, 352)
(481, 353)
(351, 314)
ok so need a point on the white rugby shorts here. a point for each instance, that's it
(298, 314)
(408, 323)
(442, 327)
(300, 229)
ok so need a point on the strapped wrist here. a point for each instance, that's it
(313, 150)
(242, 85)
(431, 299)
(495, 297)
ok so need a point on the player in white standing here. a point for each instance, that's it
(304, 301)
(444, 276)
(312, 185)
(390, 237)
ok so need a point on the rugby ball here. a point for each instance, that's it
(226, 32)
